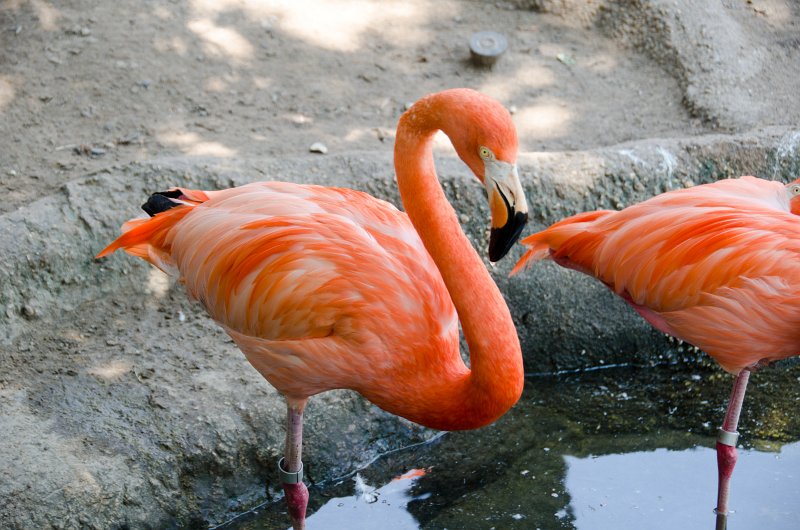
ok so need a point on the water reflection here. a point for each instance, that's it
(665, 489)
(622, 449)
(369, 507)
(659, 489)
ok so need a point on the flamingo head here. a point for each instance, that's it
(794, 194)
(506, 202)
(485, 138)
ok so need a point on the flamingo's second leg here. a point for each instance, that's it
(290, 466)
(726, 446)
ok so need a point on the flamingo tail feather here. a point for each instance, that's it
(140, 237)
(541, 243)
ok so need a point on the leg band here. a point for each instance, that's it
(290, 477)
(724, 437)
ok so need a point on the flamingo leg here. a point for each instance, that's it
(726, 446)
(290, 466)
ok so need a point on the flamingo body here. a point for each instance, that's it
(313, 283)
(716, 265)
(321, 288)
(325, 288)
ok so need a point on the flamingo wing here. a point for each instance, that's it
(318, 286)
(716, 265)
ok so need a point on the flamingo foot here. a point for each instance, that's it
(726, 447)
(727, 455)
(296, 501)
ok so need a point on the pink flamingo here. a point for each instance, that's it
(325, 288)
(714, 265)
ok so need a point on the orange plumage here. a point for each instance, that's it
(321, 288)
(325, 288)
(303, 277)
(715, 265)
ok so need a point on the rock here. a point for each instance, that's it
(134, 137)
(318, 147)
(28, 312)
(718, 62)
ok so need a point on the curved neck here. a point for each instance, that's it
(463, 399)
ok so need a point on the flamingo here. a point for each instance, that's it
(325, 288)
(715, 265)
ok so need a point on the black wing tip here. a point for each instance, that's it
(160, 202)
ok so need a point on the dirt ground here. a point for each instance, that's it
(102, 88)
(84, 85)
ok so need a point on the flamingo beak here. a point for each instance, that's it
(508, 205)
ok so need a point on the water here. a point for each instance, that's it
(618, 449)
(387, 505)
(674, 489)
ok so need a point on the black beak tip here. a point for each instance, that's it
(502, 239)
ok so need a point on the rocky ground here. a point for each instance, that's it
(122, 404)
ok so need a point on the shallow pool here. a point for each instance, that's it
(610, 449)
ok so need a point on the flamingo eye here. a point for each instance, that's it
(486, 153)
(794, 189)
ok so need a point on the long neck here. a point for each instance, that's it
(464, 399)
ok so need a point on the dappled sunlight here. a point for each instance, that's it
(581, 172)
(73, 334)
(505, 87)
(554, 51)
(7, 92)
(544, 120)
(173, 44)
(157, 283)
(215, 84)
(219, 84)
(162, 12)
(259, 137)
(112, 370)
(191, 144)
(48, 15)
(602, 63)
(261, 82)
(775, 12)
(378, 133)
(340, 25)
(83, 483)
(221, 41)
(298, 118)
